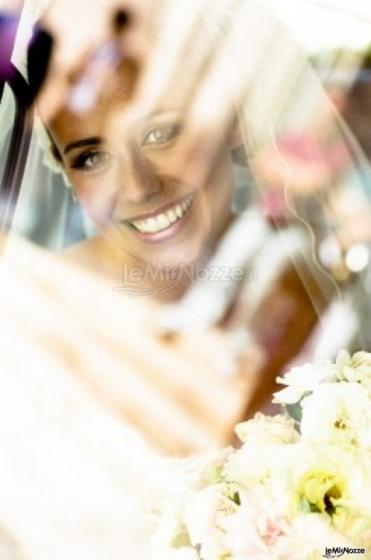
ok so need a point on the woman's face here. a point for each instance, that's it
(133, 189)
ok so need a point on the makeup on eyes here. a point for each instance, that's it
(81, 161)
(159, 135)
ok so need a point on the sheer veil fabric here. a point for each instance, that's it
(74, 481)
(65, 491)
(46, 212)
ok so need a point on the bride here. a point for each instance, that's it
(153, 152)
(155, 168)
(134, 189)
(159, 184)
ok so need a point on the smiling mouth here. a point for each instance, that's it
(164, 219)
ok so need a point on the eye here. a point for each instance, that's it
(161, 134)
(91, 160)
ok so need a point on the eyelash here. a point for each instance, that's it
(172, 130)
(81, 161)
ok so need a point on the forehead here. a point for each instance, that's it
(117, 92)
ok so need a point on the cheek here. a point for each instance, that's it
(218, 196)
(97, 195)
(188, 163)
(170, 163)
(186, 160)
(220, 185)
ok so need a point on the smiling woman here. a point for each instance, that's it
(205, 156)
(191, 156)
(133, 188)
(164, 146)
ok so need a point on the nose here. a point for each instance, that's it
(138, 179)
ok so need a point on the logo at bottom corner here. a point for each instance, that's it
(338, 551)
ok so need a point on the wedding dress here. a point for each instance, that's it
(75, 481)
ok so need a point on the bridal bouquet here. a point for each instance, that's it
(298, 488)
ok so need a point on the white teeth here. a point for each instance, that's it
(151, 225)
(144, 227)
(163, 220)
(171, 215)
(140, 226)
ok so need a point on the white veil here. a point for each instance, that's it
(45, 212)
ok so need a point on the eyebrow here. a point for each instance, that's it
(92, 140)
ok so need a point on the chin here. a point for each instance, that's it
(184, 255)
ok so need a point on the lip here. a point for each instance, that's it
(167, 233)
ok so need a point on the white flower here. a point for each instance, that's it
(332, 481)
(302, 380)
(354, 369)
(337, 413)
(310, 534)
(202, 515)
(224, 529)
(258, 466)
(267, 429)
(282, 495)
(252, 532)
